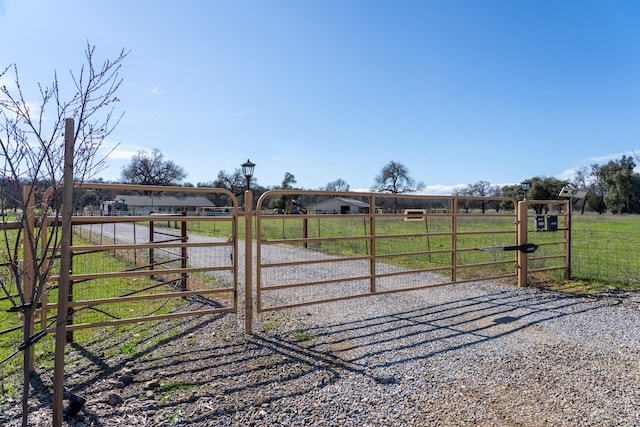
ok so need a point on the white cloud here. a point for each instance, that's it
(440, 189)
(156, 91)
(429, 190)
(566, 175)
(612, 156)
(114, 151)
(120, 154)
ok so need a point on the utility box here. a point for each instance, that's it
(538, 222)
(552, 223)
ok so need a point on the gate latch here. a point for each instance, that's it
(527, 248)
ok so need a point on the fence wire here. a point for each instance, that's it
(606, 256)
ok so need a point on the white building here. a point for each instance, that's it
(144, 205)
(340, 205)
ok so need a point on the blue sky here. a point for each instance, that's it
(457, 91)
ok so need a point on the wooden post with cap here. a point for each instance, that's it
(63, 280)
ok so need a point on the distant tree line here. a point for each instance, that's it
(611, 187)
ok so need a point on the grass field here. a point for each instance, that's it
(95, 289)
(606, 250)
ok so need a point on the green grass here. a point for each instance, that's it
(169, 388)
(93, 289)
(302, 335)
(172, 386)
(606, 250)
(606, 223)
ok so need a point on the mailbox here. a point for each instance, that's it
(538, 222)
(552, 223)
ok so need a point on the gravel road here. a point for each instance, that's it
(475, 354)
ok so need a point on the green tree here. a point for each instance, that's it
(544, 189)
(288, 181)
(620, 184)
(284, 202)
(90, 198)
(515, 192)
(10, 194)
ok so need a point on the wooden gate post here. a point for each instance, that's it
(63, 280)
(522, 223)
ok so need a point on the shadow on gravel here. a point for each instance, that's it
(94, 354)
(222, 374)
(267, 370)
(421, 333)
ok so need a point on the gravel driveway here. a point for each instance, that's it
(464, 355)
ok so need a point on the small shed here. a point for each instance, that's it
(144, 205)
(340, 205)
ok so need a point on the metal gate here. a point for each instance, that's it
(311, 247)
(151, 266)
(315, 247)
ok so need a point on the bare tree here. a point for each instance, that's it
(150, 168)
(480, 189)
(337, 185)
(463, 192)
(394, 178)
(32, 154)
(234, 182)
(582, 179)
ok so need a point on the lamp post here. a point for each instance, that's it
(247, 171)
(526, 184)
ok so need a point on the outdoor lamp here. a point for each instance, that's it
(247, 171)
(525, 187)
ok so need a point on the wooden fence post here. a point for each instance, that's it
(63, 280)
